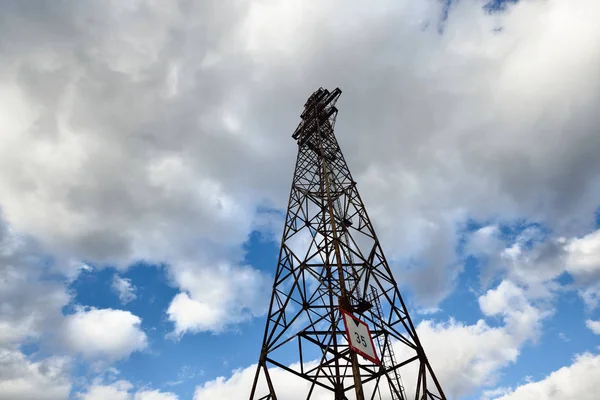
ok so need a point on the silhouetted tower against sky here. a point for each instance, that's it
(337, 326)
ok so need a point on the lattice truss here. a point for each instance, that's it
(330, 259)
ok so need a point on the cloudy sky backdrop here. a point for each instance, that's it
(146, 158)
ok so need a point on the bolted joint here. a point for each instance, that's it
(263, 355)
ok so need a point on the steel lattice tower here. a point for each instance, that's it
(330, 266)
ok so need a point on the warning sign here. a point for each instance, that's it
(359, 337)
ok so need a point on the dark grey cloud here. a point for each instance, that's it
(30, 310)
(30, 299)
(155, 130)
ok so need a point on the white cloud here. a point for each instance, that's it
(124, 289)
(530, 259)
(584, 256)
(563, 337)
(154, 395)
(239, 384)
(191, 315)
(24, 379)
(117, 391)
(186, 373)
(493, 393)
(216, 296)
(122, 390)
(485, 241)
(22, 268)
(594, 326)
(428, 311)
(577, 381)
(464, 357)
(103, 334)
(536, 262)
(521, 318)
(590, 295)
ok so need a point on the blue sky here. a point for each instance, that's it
(146, 160)
(177, 366)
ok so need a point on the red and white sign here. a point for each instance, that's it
(359, 337)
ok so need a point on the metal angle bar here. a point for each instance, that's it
(288, 369)
(415, 358)
(335, 269)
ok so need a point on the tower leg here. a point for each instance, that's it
(331, 261)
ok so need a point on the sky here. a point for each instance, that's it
(146, 160)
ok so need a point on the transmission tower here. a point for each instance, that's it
(337, 326)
